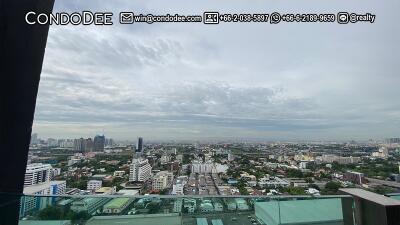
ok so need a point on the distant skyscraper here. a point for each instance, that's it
(34, 139)
(392, 140)
(88, 145)
(99, 141)
(139, 145)
(109, 142)
(79, 145)
(51, 142)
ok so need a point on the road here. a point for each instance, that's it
(215, 185)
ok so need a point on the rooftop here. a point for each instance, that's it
(104, 189)
(39, 187)
(370, 196)
(128, 192)
(117, 203)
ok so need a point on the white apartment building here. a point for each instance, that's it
(303, 164)
(348, 160)
(29, 203)
(165, 159)
(37, 173)
(208, 167)
(93, 185)
(177, 189)
(328, 158)
(119, 173)
(383, 152)
(162, 180)
(198, 167)
(55, 172)
(273, 182)
(140, 170)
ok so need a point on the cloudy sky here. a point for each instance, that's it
(194, 81)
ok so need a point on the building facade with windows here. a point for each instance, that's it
(162, 180)
(140, 170)
(93, 185)
(29, 203)
(37, 173)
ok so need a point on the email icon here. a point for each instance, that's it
(126, 17)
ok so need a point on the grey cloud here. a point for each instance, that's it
(231, 80)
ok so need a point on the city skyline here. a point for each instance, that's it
(199, 82)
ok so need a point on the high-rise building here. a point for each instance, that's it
(37, 173)
(392, 140)
(31, 202)
(34, 139)
(140, 170)
(98, 143)
(51, 142)
(79, 145)
(139, 145)
(109, 142)
(54, 172)
(89, 145)
(68, 143)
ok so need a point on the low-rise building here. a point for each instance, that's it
(117, 205)
(105, 191)
(162, 180)
(177, 189)
(354, 177)
(129, 192)
(119, 173)
(93, 185)
(89, 205)
(274, 182)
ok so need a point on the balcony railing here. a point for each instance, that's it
(178, 210)
(192, 210)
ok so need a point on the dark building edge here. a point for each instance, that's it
(22, 48)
